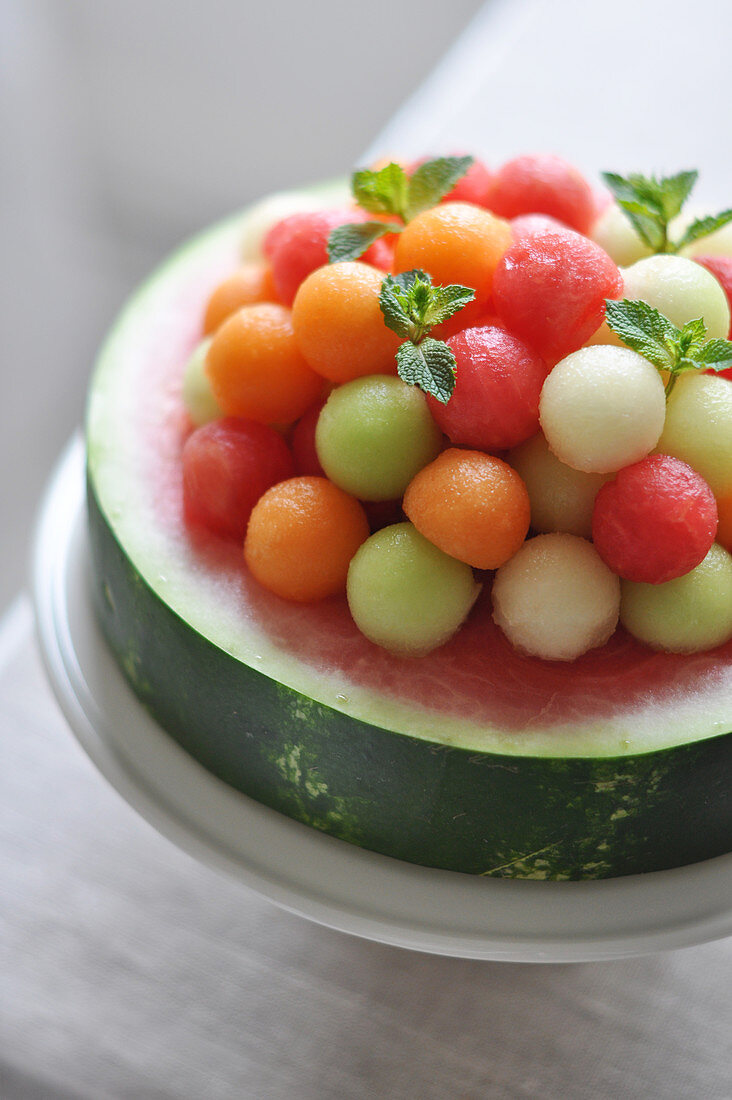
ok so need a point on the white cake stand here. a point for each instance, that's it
(302, 870)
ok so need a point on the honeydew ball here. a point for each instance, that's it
(687, 615)
(556, 598)
(198, 396)
(260, 218)
(681, 289)
(602, 408)
(718, 243)
(615, 232)
(561, 497)
(698, 428)
(374, 434)
(407, 595)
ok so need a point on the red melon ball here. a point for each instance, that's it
(543, 184)
(656, 520)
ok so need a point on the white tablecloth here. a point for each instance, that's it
(128, 970)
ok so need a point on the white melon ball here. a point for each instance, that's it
(602, 408)
(687, 615)
(561, 498)
(615, 232)
(556, 598)
(681, 289)
(718, 243)
(198, 396)
(698, 428)
(260, 218)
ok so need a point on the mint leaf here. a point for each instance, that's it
(430, 365)
(395, 302)
(383, 191)
(348, 242)
(432, 181)
(644, 329)
(702, 227)
(692, 336)
(411, 305)
(446, 301)
(715, 355)
(652, 203)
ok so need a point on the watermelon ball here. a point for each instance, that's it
(495, 403)
(602, 408)
(299, 245)
(721, 268)
(550, 291)
(227, 465)
(690, 614)
(556, 598)
(543, 184)
(198, 396)
(534, 225)
(374, 434)
(407, 595)
(681, 289)
(724, 528)
(472, 505)
(338, 323)
(256, 369)
(615, 233)
(260, 218)
(301, 537)
(698, 428)
(302, 442)
(561, 498)
(654, 521)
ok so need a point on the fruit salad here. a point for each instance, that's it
(471, 378)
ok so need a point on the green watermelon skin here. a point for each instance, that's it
(481, 813)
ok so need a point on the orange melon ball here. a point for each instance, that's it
(256, 369)
(301, 537)
(471, 505)
(339, 326)
(455, 242)
(251, 283)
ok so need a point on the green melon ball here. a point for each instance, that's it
(602, 408)
(405, 594)
(681, 289)
(561, 498)
(614, 232)
(556, 598)
(197, 394)
(686, 615)
(718, 243)
(374, 434)
(698, 428)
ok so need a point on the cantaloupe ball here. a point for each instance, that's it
(698, 428)
(197, 393)
(555, 598)
(561, 497)
(602, 408)
(681, 289)
(615, 232)
(407, 595)
(686, 615)
(260, 218)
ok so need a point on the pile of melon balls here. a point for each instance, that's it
(558, 471)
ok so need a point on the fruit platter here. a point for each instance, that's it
(410, 514)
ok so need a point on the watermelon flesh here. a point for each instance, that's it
(639, 723)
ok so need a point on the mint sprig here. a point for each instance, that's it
(389, 190)
(652, 203)
(675, 350)
(412, 306)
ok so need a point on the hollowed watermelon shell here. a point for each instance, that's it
(474, 758)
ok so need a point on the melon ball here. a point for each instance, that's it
(198, 396)
(374, 434)
(615, 232)
(561, 498)
(681, 289)
(555, 598)
(698, 428)
(718, 243)
(260, 218)
(686, 615)
(602, 408)
(407, 595)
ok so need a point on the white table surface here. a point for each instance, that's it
(129, 970)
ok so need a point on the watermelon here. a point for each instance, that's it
(474, 758)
